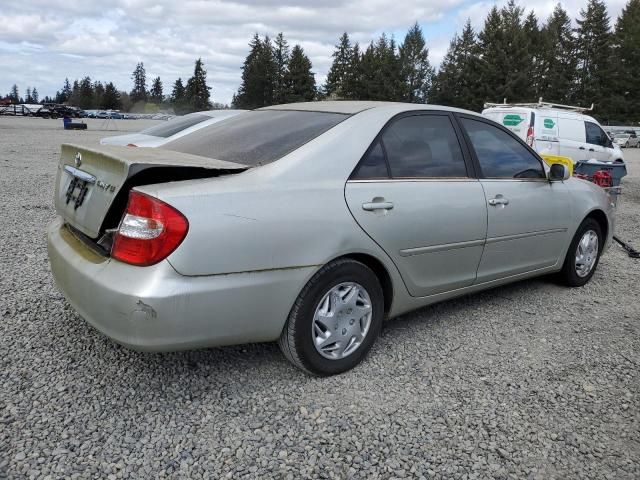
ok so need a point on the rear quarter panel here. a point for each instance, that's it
(586, 198)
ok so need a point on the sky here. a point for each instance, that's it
(44, 41)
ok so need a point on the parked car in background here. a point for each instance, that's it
(626, 140)
(171, 130)
(311, 223)
(553, 129)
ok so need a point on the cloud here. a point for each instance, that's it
(44, 41)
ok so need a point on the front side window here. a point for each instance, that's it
(595, 135)
(499, 154)
(423, 146)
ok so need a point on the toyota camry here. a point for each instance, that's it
(310, 224)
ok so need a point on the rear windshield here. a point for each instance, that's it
(175, 125)
(257, 137)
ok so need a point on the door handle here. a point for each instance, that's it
(371, 206)
(499, 200)
(591, 150)
(581, 148)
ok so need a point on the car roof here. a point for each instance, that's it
(219, 112)
(352, 107)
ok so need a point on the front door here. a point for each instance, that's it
(414, 195)
(528, 219)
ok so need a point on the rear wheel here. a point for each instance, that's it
(583, 255)
(335, 319)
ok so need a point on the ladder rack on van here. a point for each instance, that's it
(541, 104)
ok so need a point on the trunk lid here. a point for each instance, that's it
(93, 183)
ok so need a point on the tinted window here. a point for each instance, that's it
(175, 125)
(500, 155)
(595, 135)
(423, 146)
(257, 137)
(372, 165)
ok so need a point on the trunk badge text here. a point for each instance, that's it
(80, 181)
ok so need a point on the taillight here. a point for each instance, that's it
(530, 136)
(149, 231)
(131, 145)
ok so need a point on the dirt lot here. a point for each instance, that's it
(527, 381)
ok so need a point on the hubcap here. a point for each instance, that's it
(341, 321)
(586, 253)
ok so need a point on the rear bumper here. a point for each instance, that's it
(156, 309)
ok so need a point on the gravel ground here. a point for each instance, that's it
(526, 381)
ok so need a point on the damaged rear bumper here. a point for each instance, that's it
(157, 309)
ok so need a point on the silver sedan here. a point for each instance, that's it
(310, 224)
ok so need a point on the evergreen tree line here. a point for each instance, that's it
(514, 56)
(517, 58)
(88, 94)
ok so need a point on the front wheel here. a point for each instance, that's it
(335, 319)
(583, 255)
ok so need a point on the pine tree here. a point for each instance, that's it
(417, 73)
(34, 95)
(258, 76)
(66, 90)
(281, 57)
(27, 97)
(98, 93)
(197, 92)
(85, 94)
(626, 41)
(155, 94)
(505, 56)
(533, 39)
(368, 69)
(391, 86)
(15, 94)
(457, 83)
(341, 68)
(178, 97)
(299, 80)
(594, 51)
(139, 77)
(178, 91)
(352, 82)
(557, 60)
(111, 97)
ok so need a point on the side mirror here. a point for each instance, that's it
(558, 173)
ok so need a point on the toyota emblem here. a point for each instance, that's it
(78, 159)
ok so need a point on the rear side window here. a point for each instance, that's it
(595, 135)
(257, 137)
(373, 164)
(499, 154)
(175, 125)
(423, 146)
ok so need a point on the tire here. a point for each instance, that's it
(572, 275)
(298, 338)
(626, 145)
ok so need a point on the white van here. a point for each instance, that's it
(555, 129)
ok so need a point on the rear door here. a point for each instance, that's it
(546, 132)
(528, 216)
(414, 193)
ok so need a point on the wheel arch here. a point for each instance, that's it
(600, 217)
(380, 271)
